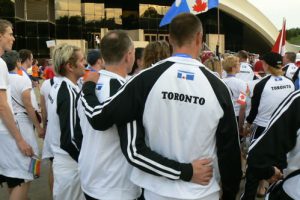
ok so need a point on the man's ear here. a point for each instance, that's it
(199, 36)
(68, 67)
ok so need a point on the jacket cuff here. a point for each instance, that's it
(186, 172)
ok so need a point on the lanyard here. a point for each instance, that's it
(183, 55)
(230, 75)
(25, 71)
(91, 69)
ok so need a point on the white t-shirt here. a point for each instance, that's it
(32, 94)
(4, 85)
(18, 85)
(236, 86)
(246, 73)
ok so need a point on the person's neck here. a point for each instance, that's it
(72, 78)
(96, 68)
(1, 52)
(186, 50)
(231, 73)
(117, 69)
(24, 66)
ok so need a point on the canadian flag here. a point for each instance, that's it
(242, 98)
(279, 46)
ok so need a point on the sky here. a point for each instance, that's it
(276, 10)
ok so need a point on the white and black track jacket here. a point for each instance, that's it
(63, 121)
(104, 171)
(279, 145)
(268, 93)
(289, 70)
(246, 73)
(182, 112)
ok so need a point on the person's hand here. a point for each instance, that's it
(25, 148)
(92, 76)
(202, 171)
(41, 132)
(246, 129)
(276, 176)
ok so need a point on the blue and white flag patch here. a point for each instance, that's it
(185, 75)
(99, 86)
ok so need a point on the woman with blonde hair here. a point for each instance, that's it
(154, 52)
(268, 93)
(214, 65)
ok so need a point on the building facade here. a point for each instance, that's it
(37, 21)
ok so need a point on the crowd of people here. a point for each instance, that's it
(164, 122)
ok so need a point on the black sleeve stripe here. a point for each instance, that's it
(91, 111)
(284, 106)
(94, 109)
(255, 100)
(114, 86)
(72, 115)
(296, 75)
(65, 110)
(143, 161)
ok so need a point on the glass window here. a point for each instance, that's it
(37, 9)
(61, 5)
(43, 29)
(99, 9)
(43, 51)
(88, 8)
(89, 18)
(19, 7)
(31, 29)
(32, 44)
(74, 13)
(114, 14)
(60, 14)
(153, 11)
(75, 5)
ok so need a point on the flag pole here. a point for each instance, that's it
(218, 41)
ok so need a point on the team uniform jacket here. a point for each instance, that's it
(279, 145)
(63, 121)
(246, 73)
(289, 70)
(104, 171)
(177, 111)
(267, 95)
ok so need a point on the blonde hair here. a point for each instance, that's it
(4, 24)
(154, 52)
(62, 55)
(229, 62)
(275, 71)
(214, 65)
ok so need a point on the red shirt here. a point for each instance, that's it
(48, 73)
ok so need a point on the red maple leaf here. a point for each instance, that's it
(199, 6)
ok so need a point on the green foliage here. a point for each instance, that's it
(294, 32)
(295, 40)
(293, 36)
